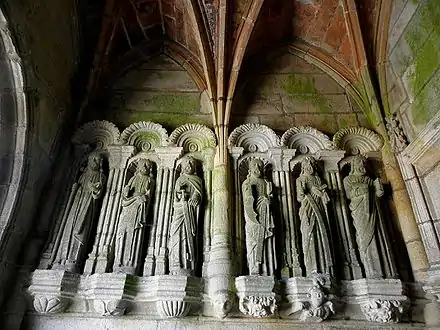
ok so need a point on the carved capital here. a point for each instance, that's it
(116, 307)
(172, 308)
(257, 306)
(331, 159)
(49, 304)
(168, 156)
(382, 311)
(119, 155)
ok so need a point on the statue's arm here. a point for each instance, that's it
(300, 190)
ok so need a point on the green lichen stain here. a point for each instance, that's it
(303, 88)
(426, 55)
(182, 102)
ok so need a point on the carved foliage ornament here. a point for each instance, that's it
(254, 138)
(145, 136)
(398, 139)
(46, 305)
(383, 311)
(97, 133)
(193, 137)
(306, 139)
(357, 140)
(258, 306)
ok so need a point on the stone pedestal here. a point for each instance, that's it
(380, 300)
(257, 295)
(177, 295)
(52, 290)
(110, 294)
(307, 299)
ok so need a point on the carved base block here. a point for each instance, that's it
(177, 296)
(52, 290)
(307, 300)
(257, 295)
(110, 294)
(379, 300)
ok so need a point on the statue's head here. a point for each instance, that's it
(255, 168)
(144, 166)
(188, 165)
(317, 296)
(94, 161)
(308, 166)
(358, 165)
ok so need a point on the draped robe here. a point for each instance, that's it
(130, 233)
(371, 235)
(259, 226)
(84, 206)
(182, 249)
(314, 225)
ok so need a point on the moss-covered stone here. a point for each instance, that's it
(426, 60)
(302, 87)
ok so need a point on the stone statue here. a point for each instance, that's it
(136, 198)
(363, 193)
(311, 193)
(188, 193)
(398, 139)
(259, 224)
(82, 209)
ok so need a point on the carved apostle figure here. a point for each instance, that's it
(363, 193)
(136, 197)
(81, 212)
(312, 195)
(188, 193)
(259, 224)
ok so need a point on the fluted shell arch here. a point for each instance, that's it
(98, 133)
(254, 138)
(358, 140)
(193, 137)
(145, 136)
(306, 139)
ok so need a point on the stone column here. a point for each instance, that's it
(288, 225)
(219, 267)
(99, 260)
(156, 259)
(344, 246)
(413, 231)
(238, 243)
(208, 165)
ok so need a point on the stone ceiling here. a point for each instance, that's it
(215, 37)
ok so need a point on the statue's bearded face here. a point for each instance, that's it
(144, 167)
(255, 168)
(94, 162)
(307, 168)
(359, 167)
(188, 167)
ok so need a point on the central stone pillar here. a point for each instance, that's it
(219, 265)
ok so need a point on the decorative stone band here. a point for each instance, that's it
(111, 294)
